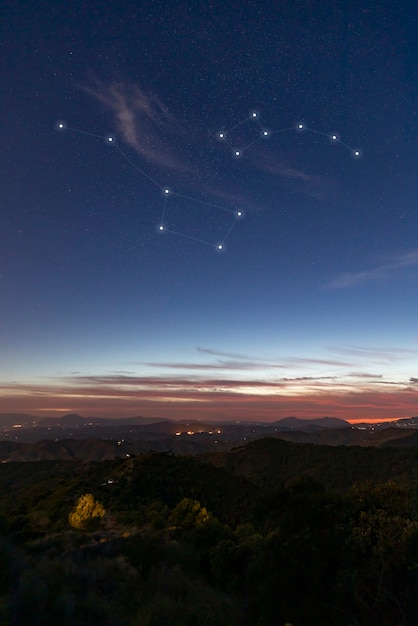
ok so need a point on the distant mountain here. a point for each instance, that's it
(135, 435)
(74, 420)
(10, 419)
(351, 436)
(308, 424)
(408, 422)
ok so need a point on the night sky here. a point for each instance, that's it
(116, 299)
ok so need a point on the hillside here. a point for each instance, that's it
(220, 539)
(91, 442)
(272, 462)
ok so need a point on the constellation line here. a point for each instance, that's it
(179, 234)
(167, 192)
(225, 136)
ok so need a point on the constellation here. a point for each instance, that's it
(167, 193)
(226, 136)
(263, 133)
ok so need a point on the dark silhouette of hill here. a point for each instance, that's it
(75, 420)
(8, 419)
(230, 483)
(27, 438)
(242, 535)
(335, 437)
(349, 436)
(308, 424)
(410, 438)
(98, 449)
(112, 443)
(272, 462)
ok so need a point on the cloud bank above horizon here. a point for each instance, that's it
(241, 388)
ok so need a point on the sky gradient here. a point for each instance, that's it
(159, 273)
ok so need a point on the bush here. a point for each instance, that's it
(86, 512)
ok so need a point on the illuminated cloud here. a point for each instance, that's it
(215, 398)
(233, 386)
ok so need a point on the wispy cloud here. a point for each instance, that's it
(381, 272)
(162, 382)
(279, 167)
(299, 379)
(146, 125)
(219, 365)
(311, 185)
(380, 355)
(231, 355)
(365, 375)
(207, 398)
(169, 147)
(234, 386)
(283, 361)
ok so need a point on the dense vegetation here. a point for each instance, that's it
(269, 534)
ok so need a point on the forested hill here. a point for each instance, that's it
(270, 462)
(272, 533)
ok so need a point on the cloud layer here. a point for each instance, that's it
(241, 388)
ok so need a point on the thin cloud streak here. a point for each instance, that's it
(284, 362)
(353, 279)
(220, 365)
(383, 354)
(306, 184)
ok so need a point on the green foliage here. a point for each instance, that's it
(86, 512)
(189, 514)
(281, 533)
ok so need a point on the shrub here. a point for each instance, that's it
(86, 512)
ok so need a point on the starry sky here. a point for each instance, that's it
(146, 268)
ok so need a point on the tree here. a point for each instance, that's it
(189, 514)
(86, 512)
